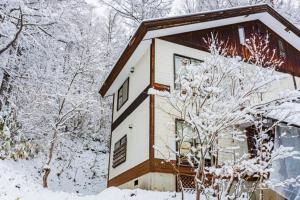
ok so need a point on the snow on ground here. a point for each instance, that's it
(82, 178)
(23, 179)
(16, 184)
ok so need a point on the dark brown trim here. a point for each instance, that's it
(130, 108)
(134, 42)
(295, 83)
(152, 106)
(187, 57)
(162, 166)
(186, 20)
(152, 62)
(142, 96)
(161, 87)
(137, 171)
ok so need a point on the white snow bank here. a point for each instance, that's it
(138, 194)
(17, 185)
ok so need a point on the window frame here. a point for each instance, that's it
(174, 65)
(119, 154)
(281, 48)
(119, 106)
(208, 162)
(242, 35)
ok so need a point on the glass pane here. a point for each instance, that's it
(120, 102)
(242, 35)
(281, 49)
(180, 62)
(186, 141)
(287, 168)
(123, 140)
(125, 91)
(117, 145)
(120, 97)
(185, 147)
(195, 62)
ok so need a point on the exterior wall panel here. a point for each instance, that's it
(229, 33)
(153, 181)
(137, 139)
(165, 115)
(138, 81)
(164, 59)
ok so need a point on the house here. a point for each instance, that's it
(150, 60)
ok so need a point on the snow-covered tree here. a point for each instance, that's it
(216, 102)
(56, 62)
(135, 11)
(288, 8)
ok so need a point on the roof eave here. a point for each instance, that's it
(149, 25)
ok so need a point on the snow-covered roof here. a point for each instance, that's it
(287, 112)
(154, 28)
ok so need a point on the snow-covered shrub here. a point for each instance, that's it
(13, 145)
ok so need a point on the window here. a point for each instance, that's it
(282, 52)
(287, 168)
(123, 94)
(242, 35)
(251, 133)
(119, 154)
(179, 63)
(188, 142)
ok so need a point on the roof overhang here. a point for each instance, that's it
(154, 28)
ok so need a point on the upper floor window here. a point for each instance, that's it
(119, 154)
(179, 63)
(282, 52)
(123, 94)
(242, 35)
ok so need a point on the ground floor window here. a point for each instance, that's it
(186, 142)
(119, 153)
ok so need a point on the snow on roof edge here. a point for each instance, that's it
(205, 12)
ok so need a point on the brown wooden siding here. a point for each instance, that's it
(186, 20)
(230, 34)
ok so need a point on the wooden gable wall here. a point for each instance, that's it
(230, 33)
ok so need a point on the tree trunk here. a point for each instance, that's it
(47, 169)
(45, 177)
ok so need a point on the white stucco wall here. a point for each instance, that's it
(164, 74)
(284, 84)
(298, 82)
(164, 129)
(164, 63)
(137, 139)
(138, 81)
(153, 181)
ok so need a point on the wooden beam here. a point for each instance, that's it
(152, 106)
